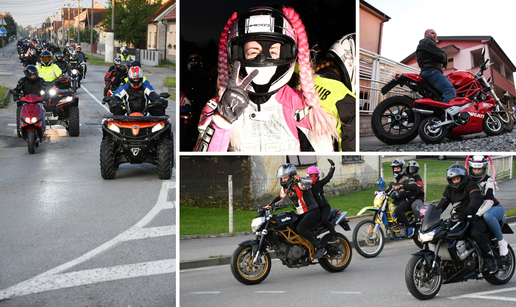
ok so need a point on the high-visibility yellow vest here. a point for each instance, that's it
(49, 73)
(127, 58)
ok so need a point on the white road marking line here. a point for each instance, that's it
(206, 292)
(269, 292)
(130, 234)
(485, 293)
(153, 232)
(95, 98)
(87, 277)
(344, 292)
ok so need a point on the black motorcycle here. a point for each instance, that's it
(450, 256)
(251, 261)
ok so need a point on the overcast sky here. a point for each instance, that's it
(410, 19)
(35, 12)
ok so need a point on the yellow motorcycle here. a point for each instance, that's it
(368, 235)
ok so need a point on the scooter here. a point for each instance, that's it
(32, 117)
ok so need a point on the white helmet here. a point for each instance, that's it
(342, 52)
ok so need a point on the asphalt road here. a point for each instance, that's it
(70, 238)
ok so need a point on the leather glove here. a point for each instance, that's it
(395, 194)
(161, 103)
(235, 98)
(331, 162)
(463, 216)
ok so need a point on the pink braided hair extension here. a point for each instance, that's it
(494, 172)
(322, 123)
(223, 56)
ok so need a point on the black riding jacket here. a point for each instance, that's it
(470, 198)
(318, 188)
(430, 56)
(25, 87)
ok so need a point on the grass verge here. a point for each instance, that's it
(3, 90)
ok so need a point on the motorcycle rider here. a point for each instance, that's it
(256, 110)
(318, 192)
(59, 61)
(463, 189)
(136, 94)
(113, 70)
(491, 210)
(432, 60)
(82, 58)
(334, 85)
(404, 190)
(46, 67)
(31, 84)
(74, 62)
(32, 59)
(298, 192)
(125, 55)
(119, 78)
(416, 201)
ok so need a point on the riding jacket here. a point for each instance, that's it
(299, 195)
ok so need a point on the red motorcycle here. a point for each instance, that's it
(399, 119)
(32, 117)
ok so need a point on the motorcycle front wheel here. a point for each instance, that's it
(507, 120)
(394, 121)
(107, 159)
(243, 268)
(420, 282)
(429, 133)
(31, 141)
(505, 272)
(492, 125)
(338, 262)
(364, 242)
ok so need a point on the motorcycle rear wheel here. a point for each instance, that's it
(107, 159)
(18, 117)
(337, 263)
(364, 244)
(420, 284)
(504, 273)
(430, 134)
(493, 125)
(31, 141)
(245, 271)
(508, 121)
(394, 121)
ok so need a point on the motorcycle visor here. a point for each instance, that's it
(46, 59)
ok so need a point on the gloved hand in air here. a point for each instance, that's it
(235, 98)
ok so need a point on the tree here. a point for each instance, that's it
(11, 27)
(129, 17)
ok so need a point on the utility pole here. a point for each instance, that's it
(78, 22)
(68, 23)
(91, 26)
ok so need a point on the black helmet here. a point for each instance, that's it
(136, 63)
(398, 163)
(412, 167)
(58, 55)
(477, 162)
(342, 52)
(31, 72)
(46, 58)
(454, 171)
(265, 26)
(287, 169)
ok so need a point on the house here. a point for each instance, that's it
(161, 30)
(205, 178)
(464, 53)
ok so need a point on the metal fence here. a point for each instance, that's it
(375, 72)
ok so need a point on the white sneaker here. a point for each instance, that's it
(502, 246)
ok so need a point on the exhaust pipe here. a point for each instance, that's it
(423, 111)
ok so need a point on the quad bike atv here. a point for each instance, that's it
(137, 138)
(62, 104)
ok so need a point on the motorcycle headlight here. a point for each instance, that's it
(257, 222)
(427, 236)
(158, 127)
(52, 92)
(30, 120)
(66, 99)
(74, 71)
(114, 128)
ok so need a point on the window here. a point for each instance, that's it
(302, 160)
(352, 159)
(476, 58)
(450, 64)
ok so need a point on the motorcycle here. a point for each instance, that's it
(74, 78)
(32, 117)
(188, 125)
(251, 261)
(450, 256)
(399, 119)
(62, 104)
(368, 235)
(136, 138)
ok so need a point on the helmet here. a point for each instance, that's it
(73, 53)
(125, 52)
(33, 52)
(117, 62)
(475, 162)
(67, 45)
(457, 170)
(412, 167)
(313, 173)
(135, 76)
(263, 27)
(78, 48)
(31, 72)
(136, 63)
(59, 56)
(46, 58)
(342, 52)
(287, 170)
(398, 163)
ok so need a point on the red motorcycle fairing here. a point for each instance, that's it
(458, 101)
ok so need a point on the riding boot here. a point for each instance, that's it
(490, 263)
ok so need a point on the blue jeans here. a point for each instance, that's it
(492, 217)
(440, 82)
